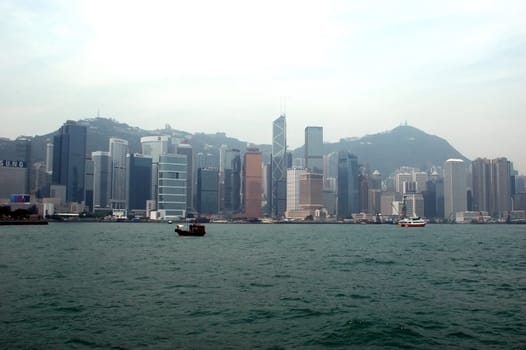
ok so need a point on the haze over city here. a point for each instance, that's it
(452, 68)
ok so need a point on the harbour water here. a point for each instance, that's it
(128, 286)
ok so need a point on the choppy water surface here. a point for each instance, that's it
(263, 286)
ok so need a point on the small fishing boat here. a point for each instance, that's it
(192, 230)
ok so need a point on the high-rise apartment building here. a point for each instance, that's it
(252, 182)
(455, 195)
(118, 153)
(69, 154)
(348, 185)
(314, 149)
(278, 198)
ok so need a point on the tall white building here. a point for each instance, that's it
(455, 198)
(293, 188)
(171, 198)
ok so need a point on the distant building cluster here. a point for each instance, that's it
(169, 181)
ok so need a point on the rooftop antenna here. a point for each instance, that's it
(283, 105)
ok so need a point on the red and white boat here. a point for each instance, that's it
(412, 222)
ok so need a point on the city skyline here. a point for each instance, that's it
(109, 181)
(452, 68)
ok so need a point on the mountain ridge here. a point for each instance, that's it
(384, 151)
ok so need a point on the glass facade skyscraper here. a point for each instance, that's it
(101, 180)
(455, 188)
(139, 180)
(348, 185)
(118, 153)
(69, 155)
(232, 181)
(155, 146)
(208, 191)
(278, 198)
(314, 149)
(23, 153)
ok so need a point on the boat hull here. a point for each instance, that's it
(412, 224)
(197, 230)
(188, 233)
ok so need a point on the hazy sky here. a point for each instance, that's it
(456, 69)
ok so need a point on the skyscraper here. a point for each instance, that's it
(348, 185)
(139, 180)
(118, 153)
(171, 198)
(481, 183)
(501, 180)
(279, 167)
(252, 182)
(314, 149)
(293, 188)
(101, 180)
(23, 153)
(69, 153)
(88, 184)
(155, 146)
(492, 185)
(49, 158)
(231, 191)
(311, 192)
(208, 190)
(186, 149)
(455, 197)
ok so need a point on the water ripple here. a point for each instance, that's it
(263, 287)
